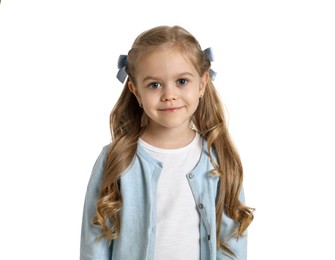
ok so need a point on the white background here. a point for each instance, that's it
(275, 62)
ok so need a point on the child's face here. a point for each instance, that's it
(168, 86)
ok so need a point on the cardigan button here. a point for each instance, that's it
(191, 175)
(200, 206)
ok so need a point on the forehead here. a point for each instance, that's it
(165, 62)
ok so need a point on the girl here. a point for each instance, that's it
(169, 186)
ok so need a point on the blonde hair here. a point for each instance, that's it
(127, 123)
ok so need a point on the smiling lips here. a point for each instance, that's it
(169, 109)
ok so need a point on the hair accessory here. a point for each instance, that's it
(210, 56)
(121, 65)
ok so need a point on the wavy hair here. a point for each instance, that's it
(127, 122)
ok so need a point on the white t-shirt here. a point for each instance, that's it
(177, 229)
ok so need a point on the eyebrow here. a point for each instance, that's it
(177, 76)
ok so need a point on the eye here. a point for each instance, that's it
(182, 82)
(154, 85)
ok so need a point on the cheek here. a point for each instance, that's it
(193, 96)
(149, 100)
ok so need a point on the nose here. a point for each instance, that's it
(169, 94)
(166, 98)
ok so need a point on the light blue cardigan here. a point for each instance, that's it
(138, 188)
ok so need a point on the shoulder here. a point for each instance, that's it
(101, 160)
(99, 167)
(208, 151)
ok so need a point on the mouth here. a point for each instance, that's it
(169, 109)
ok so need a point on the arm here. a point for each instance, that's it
(237, 245)
(90, 248)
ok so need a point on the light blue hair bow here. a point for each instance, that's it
(210, 56)
(122, 63)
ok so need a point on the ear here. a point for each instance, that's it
(203, 83)
(134, 90)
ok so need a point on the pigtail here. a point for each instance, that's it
(209, 119)
(125, 122)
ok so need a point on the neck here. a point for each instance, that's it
(168, 138)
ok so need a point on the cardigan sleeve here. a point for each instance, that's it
(90, 247)
(237, 244)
